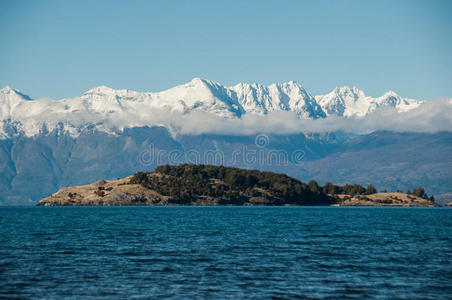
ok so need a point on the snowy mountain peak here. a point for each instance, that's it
(102, 90)
(343, 101)
(390, 94)
(345, 91)
(7, 90)
(391, 99)
(292, 84)
(199, 81)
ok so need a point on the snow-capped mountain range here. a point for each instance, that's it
(108, 109)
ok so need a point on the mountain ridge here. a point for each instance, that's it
(109, 110)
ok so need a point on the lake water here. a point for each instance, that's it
(225, 252)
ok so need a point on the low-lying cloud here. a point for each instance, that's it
(431, 116)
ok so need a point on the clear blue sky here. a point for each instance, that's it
(62, 48)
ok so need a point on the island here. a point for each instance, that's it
(209, 185)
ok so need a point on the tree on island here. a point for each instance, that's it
(370, 189)
(314, 187)
(420, 192)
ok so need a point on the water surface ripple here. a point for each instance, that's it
(225, 252)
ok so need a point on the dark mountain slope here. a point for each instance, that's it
(32, 168)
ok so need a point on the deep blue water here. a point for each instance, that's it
(225, 252)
